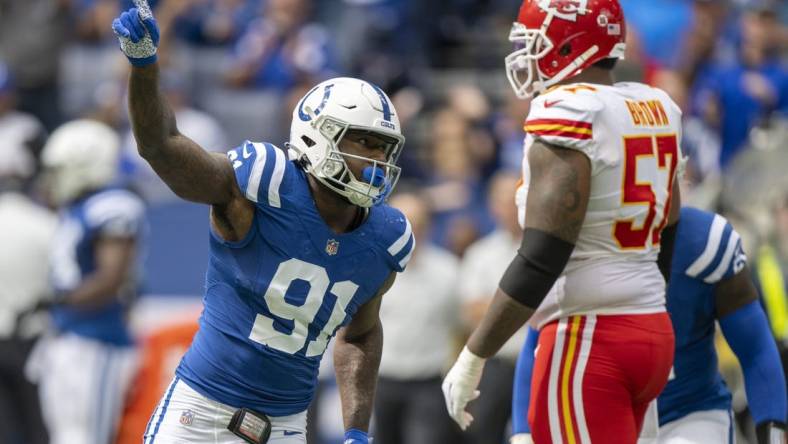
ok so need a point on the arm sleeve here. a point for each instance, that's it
(747, 332)
(522, 383)
(259, 170)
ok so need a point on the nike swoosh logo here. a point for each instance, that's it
(548, 104)
(291, 433)
(247, 154)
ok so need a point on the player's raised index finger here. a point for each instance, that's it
(144, 9)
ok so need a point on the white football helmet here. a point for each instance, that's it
(80, 156)
(320, 120)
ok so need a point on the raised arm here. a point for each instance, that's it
(190, 171)
(356, 361)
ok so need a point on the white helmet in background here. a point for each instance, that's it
(80, 156)
(324, 115)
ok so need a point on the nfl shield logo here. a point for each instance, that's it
(187, 417)
(332, 246)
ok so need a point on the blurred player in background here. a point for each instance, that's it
(26, 231)
(598, 205)
(84, 370)
(420, 317)
(710, 282)
(289, 239)
(481, 271)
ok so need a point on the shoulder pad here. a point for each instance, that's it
(565, 117)
(260, 170)
(711, 247)
(115, 212)
(397, 238)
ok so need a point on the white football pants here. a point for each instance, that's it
(707, 426)
(82, 385)
(185, 416)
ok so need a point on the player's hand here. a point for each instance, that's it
(459, 386)
(521, 438)
(138, 34)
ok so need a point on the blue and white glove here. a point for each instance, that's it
(356, 436)
(138, 34)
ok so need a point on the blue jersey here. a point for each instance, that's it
(274, 299)
(708, 250)
(109, 212)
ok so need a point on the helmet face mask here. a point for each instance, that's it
(557, 39)
(531, 45)
(347, 107)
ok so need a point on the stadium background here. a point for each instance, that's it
(235, 68)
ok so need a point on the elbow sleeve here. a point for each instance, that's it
(539, 262)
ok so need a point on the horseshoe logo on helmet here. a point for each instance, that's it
(326, 94)
(565, 9)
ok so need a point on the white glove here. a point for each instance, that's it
(521, 438)
(459, 386)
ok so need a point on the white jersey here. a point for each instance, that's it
(631, 134)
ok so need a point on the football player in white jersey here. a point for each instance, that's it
(598, 205)
(301, 249)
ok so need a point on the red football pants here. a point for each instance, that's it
(594, 377)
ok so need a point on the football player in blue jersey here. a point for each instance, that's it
(709, 282)
(85, 368)
(302, 247)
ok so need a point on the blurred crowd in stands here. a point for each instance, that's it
(233, 69)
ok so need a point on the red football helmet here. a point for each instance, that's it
(558, 39)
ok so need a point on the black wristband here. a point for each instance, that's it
(540, 260)
(770, 432)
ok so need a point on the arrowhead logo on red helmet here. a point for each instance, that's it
(565, 9)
